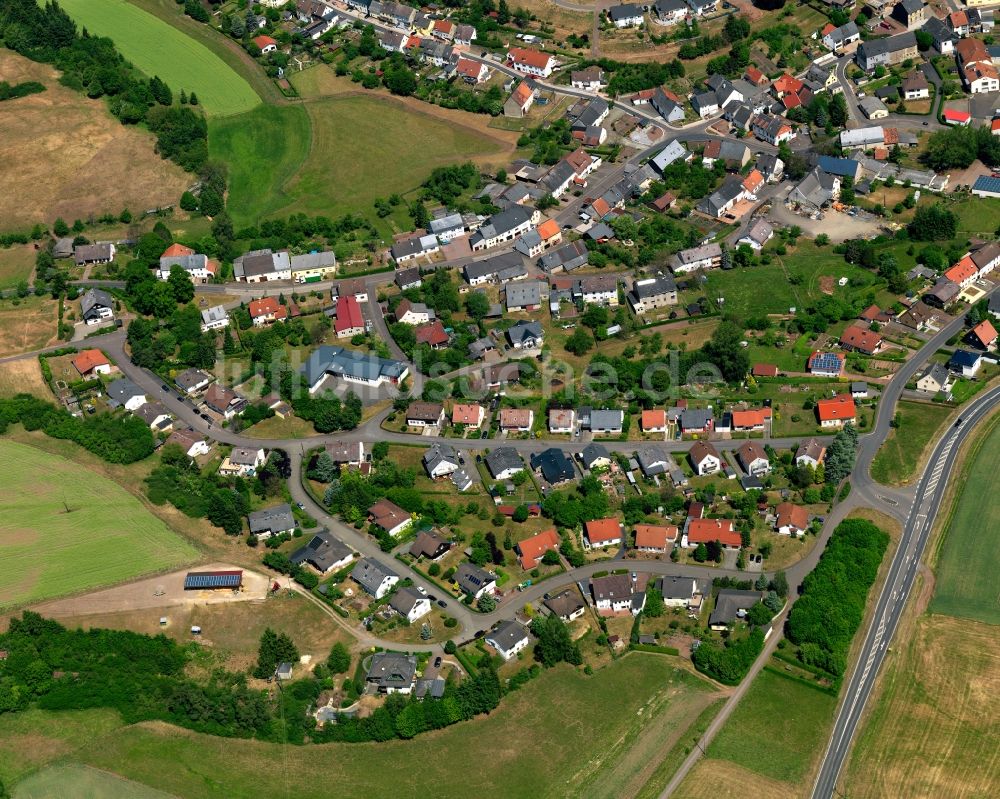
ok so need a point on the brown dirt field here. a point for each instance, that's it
(74, 159)
(934, 730)
(720, 779)
(23, 377)
(562, 20)
(29, 325)
(16, 264)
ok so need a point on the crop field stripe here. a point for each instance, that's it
(160, 49)
(64, 529)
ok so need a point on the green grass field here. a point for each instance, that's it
(157, 48)
(897, 459)
(767, 289)
(563, 734)
(778, 728)
(72, 781)
(16, 264)
(337, 158)
(970, 560)
(106, 537)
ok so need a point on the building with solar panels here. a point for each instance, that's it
(826, 364)
(986, 186)
(214, 581)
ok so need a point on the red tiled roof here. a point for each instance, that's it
(701, 531)
(840, 407)
(860, 339)
(515, 417)
(466, 414)
(654, 536)
(532, 58)
(522, 93)
(602, 530)
(790, 515)
(88, 359)
(469, 68)
(349, 316)
(264, 41)
(765, 370)
(432, 333)
(533, 549)
(985, 332)
(176, 249)
(752, 418)
(654, 418)
(787, 84)
(266, 306)
(548, 229)
(962, 271)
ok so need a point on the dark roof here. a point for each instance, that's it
(593, 452)
(322, 551)
(964, 359)
(392, 670)
(556, 467)
(217, 579)
(276, 519)
(565, 604)
(730, 602)
(471, 578)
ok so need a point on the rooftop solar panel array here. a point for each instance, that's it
(826, 361)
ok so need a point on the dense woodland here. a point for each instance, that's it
(92, 65)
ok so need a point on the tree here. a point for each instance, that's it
(477, 305)
(780, 584)
(487, 603)
(580, 343)
(180, 284)
(325, 470)
(701, 553)
(520, 514)
(759, 615)
(726, 352)
(655, 606)
(555, 644)
(339, 660)
(59, 227)
(838, 111)
(210, 202)
(933, 223)
(274, 648)
(550, 558)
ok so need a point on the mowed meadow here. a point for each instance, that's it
(157, 48)
(64, 529)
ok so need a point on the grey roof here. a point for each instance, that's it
(404, 599)
(438, 454)
(151, 411)
(606, 419)
(313, 260)
(322, 551)
(593, 452)
(446, 224)
(83, 253)
(910, 6)
(392, 670)
(407, 276)
(593, 111)
(730, 602)
(556, 467)
(123, 390)
(937, 372)
(889, 44)
(188, 263)
(624, 11)
(503, 458)
(523, 331)
(369, 574)
(654, 287)
(507, 635)
(677, 587)
(652, 460)
(95, 298)
(760, 231)
(190, 378)
(600, 231)
(523, 294)
(341, 362)
(815, 189)
(672, 152)
(613, 588)
(261, 262)
(504, 222)
(939, 31)
(430, 687)
(214, 314)
(274, 520)
(696, 254)
(569, 256)
(565, 603)
(243, 456)
(471, 578)
(871, 105)
(695, 418)
(494, 266)
(730, 189)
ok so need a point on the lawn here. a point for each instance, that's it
(73, 781)
(92, 531)
(897, 459)
(328, 158)
(767, 288)
(969, 559)
(16, 264)
(564, 734)
(777, 730)
(158, 48)
(934, 727)
(24, 377)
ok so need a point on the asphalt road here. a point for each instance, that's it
(892, 601)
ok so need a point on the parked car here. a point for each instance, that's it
(442, 603)
(437, 662)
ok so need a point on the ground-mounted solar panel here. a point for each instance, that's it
(211, 580)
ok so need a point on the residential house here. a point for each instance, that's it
(858, 339)
(410, 603)
(425, 414)
(265, 44)
(758, 234)
(703, 531)
(696, 420)
(655, 538)
(156, 416)
(562, 421)
(751, 421)
(125, 394)
(414, 247)
(191, 381)
(313, 267)
(772, 129)
(532, 550)
(447, 227)
(826, 364)
(810, 453)
(352, 367)
(516, 419)
(651, 293)
(734, 154)
(525, 295)
(753, 459)
(432, 334)
(653, 421)
(705, 458)
(525, 335)
(389, 517)
(706, 256)
(965, 363)
(214, 318)
(599, 290)
(474, 581)
(429, 546)
(911, 13)
(837, 39)
(873, 108)
(465, 35)
(942, 36)
(679, 592)
(223, 401)
(673, 152)
(721, 201)
(96, 305)
(626, 15)
(503, 463)
(815, 191)
(554, 466)
(266, 311)
(653, 460)
(472, 72)
(374, 576)
(836, 412)
(613, 594)
(602, 533)
(349, 321)
(413, 313)
(508, 638)
(531, 62)
(350, 453)
(915, 86)
(242, 461)
(887, 51)
(441, 460)
(271, 521)
(670, 12)
(591, 79)
(87, 254)
(602, 422)
(198, 267)
(323, 552)
(943, 293)
(732, 604)
(595, 456)
(976, 66)
(91, 362)
(983, 336)
(521, 99)
(566, 605)
(566, 258)
(936, 378)
(408, 278)
(261, 266)
(468, 414)
(190, 441)
(502, 268)
(392, 672)
(503, 227)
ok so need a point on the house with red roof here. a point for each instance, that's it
(533, 549)
(470, 71)
(964, 273)
(266, 44)
(755, 76)
(857, 339)
(836, 412)
(702, 531)
(531, 62)
(656, 538)
(752, 420)
(653, 421)
(602, 533)
(92, 362)
(953, 116)
(443, 29)
(432, 334)
(520, 100)
(266, 310)
(791, 519)
(350, 321)
(764, 370)
(983, 335)
(470, 414)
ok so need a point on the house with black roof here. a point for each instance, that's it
(392, 672)
(554, 465)
(271, 521)
(324, 552)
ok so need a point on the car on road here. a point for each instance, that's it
(432, 598)
(442, 603)
(165, 387)
(437, 662)
(206, 417)
(480, 633)
(300, 506)
(925, 123)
